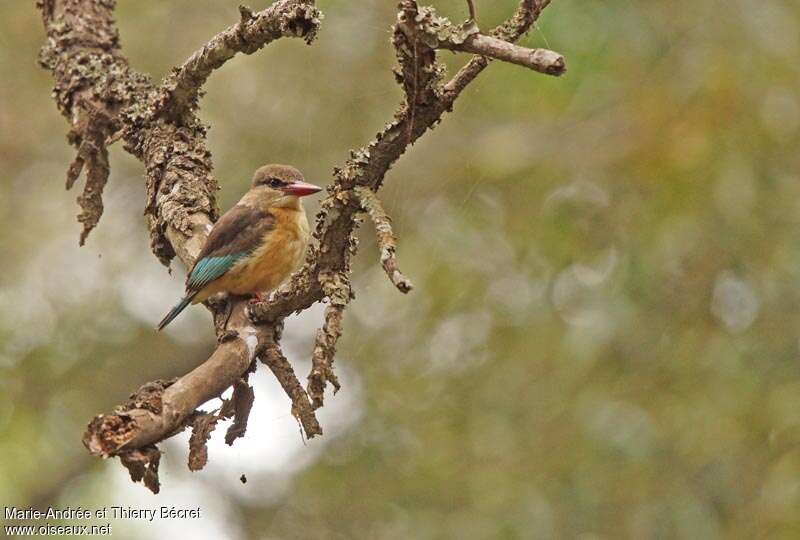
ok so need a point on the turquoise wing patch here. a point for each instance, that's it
(210, 268)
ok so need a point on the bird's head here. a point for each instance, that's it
(281, 185)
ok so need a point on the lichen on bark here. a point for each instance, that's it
(104, 100)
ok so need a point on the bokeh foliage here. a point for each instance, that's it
(603, 341)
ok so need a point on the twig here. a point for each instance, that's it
(335, 287)
(385, 237)
(471, 10)
(323, 357)
(241, 403)
(439, 33)
(89, 136)
(302, 408)
(541, 60)
(203, 424)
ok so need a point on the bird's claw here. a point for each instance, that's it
(257, 298)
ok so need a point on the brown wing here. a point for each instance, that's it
(233, 238)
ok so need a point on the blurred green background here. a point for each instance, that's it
(604, 341)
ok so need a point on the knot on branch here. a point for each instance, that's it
(303, 21)
(245, 14)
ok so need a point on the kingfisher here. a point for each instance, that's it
(257, 244)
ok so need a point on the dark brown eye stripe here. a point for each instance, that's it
(272, 182)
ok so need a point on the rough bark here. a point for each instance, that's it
(385, 237)
(104, 100)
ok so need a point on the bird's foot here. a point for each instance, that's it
(257, 298)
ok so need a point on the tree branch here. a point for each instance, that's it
(336, 288)
(368, 165)
(94, 81)
(286, 18)
(302, 408)
(241, 403)
(158, 126)
(93, 154)
(471, 7)
(385, 238)
(541, 60)
(153, 414)
(424, 25)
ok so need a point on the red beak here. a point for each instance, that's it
(301, 189)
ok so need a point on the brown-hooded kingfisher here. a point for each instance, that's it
(255, 245)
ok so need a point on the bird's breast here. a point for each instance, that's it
(281, 252)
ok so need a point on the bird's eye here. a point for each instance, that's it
(274, 182)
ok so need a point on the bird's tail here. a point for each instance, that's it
(174, 312)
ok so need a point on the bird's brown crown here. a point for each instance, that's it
(276, 176)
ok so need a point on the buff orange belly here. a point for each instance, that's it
(271, 264)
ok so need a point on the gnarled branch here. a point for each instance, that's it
(336, 287)
(439, 33)
(158, 126)
(286, 18)
(368, 165)
(94, 81)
